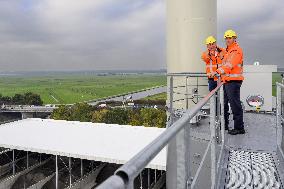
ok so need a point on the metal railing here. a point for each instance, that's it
(194, 95)
(280, 120)
(125, 175)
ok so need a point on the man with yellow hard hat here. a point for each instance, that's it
(231, 73)
(213, 60)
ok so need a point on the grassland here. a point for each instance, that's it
(65, 89)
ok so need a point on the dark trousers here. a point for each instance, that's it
(212, 84)
(232, 96)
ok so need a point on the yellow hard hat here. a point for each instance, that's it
(210, 40)
(230, 33)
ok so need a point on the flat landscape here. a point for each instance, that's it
(66, 89)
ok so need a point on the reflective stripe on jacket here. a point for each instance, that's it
(213, 62)
(232, 65)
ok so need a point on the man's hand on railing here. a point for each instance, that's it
(217, 75)
(220, 79)
(211, 74)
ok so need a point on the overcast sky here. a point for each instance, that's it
(121, 34)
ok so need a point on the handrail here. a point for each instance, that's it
(126, 174)
(187, 74)
(279, 121)
(280, 85)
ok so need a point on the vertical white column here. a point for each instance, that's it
(189, 22)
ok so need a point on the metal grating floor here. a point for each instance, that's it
(252, 170)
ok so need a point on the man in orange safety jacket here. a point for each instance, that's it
(231, 73)
(213, 60)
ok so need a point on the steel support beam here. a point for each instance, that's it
(56, 172)
(214, 141)
(27, 160)
(70, 171)
(149, 179)
(82, 168)
(14, 168)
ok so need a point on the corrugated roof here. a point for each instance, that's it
(92, 141)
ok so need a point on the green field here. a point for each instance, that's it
(65, 89)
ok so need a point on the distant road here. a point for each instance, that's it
(27, 109)
(135, 95)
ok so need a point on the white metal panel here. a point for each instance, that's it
(258, 81)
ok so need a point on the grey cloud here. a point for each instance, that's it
(126, 34)
(53, 36)
(259, 24)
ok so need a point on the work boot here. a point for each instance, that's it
(236, 131)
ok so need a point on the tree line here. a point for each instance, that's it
(148, 117)
(28, 98)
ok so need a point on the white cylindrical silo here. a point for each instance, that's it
(189, 22)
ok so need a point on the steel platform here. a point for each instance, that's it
(251, 160)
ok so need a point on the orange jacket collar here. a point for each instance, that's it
(232, 46)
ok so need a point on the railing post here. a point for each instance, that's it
(222, 112)
(27, 159)
(178, 160)
(213, 139)
(171, 97)
(219, 115)
(70, 172)
(278, 115)
(186, 93)
(82, 168)
(56, 172)
(282, 119)
(14, 167)
(149, 179)
(141, 180)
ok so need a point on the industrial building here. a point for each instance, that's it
(194, 151)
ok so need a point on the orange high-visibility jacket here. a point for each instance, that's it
(232, 66)
(213, 62)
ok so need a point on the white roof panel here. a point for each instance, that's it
(92, 141)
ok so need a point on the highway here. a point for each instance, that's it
(135, 95)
